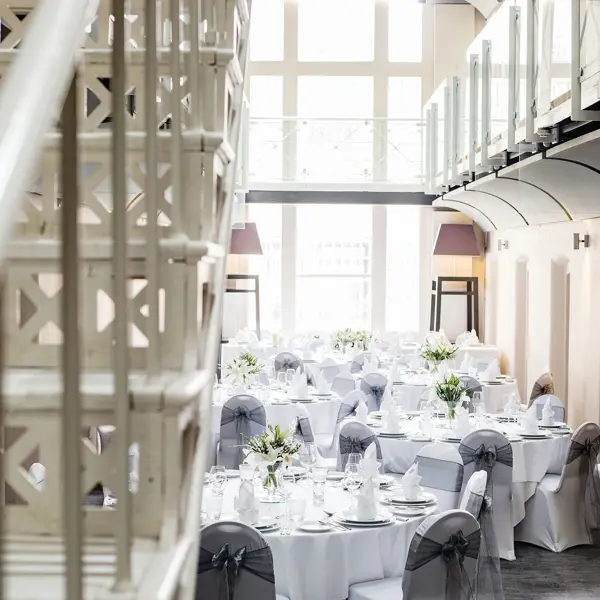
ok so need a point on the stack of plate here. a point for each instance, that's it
(535, 436)
(385, 480)
(324, 396)
(376, 414)
(302, 400)
(351, 520)
(335, 475)
(392, 435)
(399, 505)
(266, 524)
(452, 438)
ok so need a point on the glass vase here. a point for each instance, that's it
(451, 410)
(270, 476)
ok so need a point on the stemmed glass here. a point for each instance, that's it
(281, 380)
(289, 376)
(308, 457)
(218, 479)
(352, 481)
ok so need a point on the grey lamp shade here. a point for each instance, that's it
(455, 239)
(245, 240)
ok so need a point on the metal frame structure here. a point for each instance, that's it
(471, 292)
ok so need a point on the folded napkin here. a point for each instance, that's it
(396, 372)
(392, 422)
(410, 483)
(369, 367)
(465, 364)
(512, 406)
(321, 383)
(299, 385)
(473, 338)
(530, 422)
(361, 412)
(461, 426)
(548, 413)
(245, 502)
(245, 336)
(462, 339)
(492, 371)
(426, 425)
(365, 500)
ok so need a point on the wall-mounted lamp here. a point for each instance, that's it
(579, 239)
(502, 245)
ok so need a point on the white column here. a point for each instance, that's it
(379, 270)
(288, 269)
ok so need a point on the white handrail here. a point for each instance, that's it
(30, 94)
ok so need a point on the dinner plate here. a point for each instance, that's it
(385, 434)
(385, 480)
(335, 475)
(555, 426)
(405, 511)
(376, 414)
(232, 473)
(493, 383)
(297, 471)
(265, 523)
(424, 499)
(451, 438)
(534, 436)
(352, 519)
(302, 400)
(419, 438)
(322, 395)
(314, 527)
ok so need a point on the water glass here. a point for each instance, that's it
(352, 480)
(287, 483)
(308, 457)
(354, 458)
(319, 474)
(478, 404)
(218, 479)
(281, 379)
(296, 509)
(247, 472)
(289, 375)
(214, 506)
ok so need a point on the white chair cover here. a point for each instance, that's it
(328, 447)
(441, 471)
(286, 360)
(303, 431)
(359, 360)
(343, 384)
(356, 437)
(476, 502)
(441, 563)
(241, 414)
(557, 406)
(330, 369)
(235, 563)
(544, 385)
(373, 385)
(565, 508)
(489, 450)
(471, 386)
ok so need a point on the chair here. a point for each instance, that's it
(356, 437)
(224, 544)
(241, 414)
(359, 360)
(490, 451)
(373, 385)
(286, 360)
(328, 445)
(424, 400)
(441, 471)
(565, 507)
(557, 406)
(543, 385)
(441, 563)
(343, 384)
(303, 431)
(471, 386)
(489, 575)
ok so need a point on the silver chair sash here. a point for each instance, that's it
(454, 551)
(242, 417)
(346, 410)
(350, 445)
(486, 457)
(258, 562)
(440, 474)
(489, 576)
(374, 395)
(304, 430)
(286, 360)
(587, 455)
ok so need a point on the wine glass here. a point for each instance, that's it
(354, 458)
(289, 375)
(286, 483)
(308, 457)
(281, 379)
(478, 404)
(218, 479)
(352, 480)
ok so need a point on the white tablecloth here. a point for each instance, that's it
(532, 459)
(494, 396)
(322, 566)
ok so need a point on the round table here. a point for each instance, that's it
(322, 566)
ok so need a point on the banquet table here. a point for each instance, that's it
(481, 353)
(532, 459)
(495, 396)
(322, 566)
(233, 349)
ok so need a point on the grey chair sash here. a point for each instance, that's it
(454, 551)
(440, 474)
(258, 562)
(486, 458)
(242, 417)
(489, 576)
(346, 410)
(587, 455)
(285, 361)
(304, 430)
(374, 395)
(350, 445)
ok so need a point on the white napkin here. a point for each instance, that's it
(492, 371)
(473, 338)
(321, 384)
(361, 412)
(365, 500)
(426, 426)
(462, 339)
(461, 426)
(465, 364)
(548, 413)
(392, 422)
(530, 422)
(512, 406)
(245, 502)
(245, 336)
(299, 385)
(368, 367)
(410, 483)
(387, 401)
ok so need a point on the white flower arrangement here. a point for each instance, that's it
(359, 339)
(243, 366)
(438, 351)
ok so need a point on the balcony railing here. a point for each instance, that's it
(314, 150)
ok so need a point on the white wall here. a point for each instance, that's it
(552, 319)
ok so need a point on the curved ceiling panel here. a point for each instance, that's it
(485, 7)
(500, 212)
(535, 204)
(573, 185)
(480, 218)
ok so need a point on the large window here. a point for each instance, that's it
(266, 30)
(405, 30)
(327, 259)
(336, 30)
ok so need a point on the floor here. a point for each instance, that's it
(541, 575)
